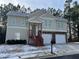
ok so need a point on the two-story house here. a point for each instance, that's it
(20, 26)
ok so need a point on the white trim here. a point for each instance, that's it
(16, 27)
(54, 30)
(55, 19)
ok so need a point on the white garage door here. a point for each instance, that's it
(60, 38)
(47, 38)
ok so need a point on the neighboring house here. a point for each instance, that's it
(21, 25)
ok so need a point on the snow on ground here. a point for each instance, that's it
(26, 51)
(16, 51)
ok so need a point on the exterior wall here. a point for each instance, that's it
(54, 24)
(17, 25)
(16, 21)
(53, 27)
(12, 33)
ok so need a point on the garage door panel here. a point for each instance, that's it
(47, 38)
(60, 38)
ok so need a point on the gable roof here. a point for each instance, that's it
(35, 20)
(48, 15)
(40, 14)
(17, 13)
(34, 15)
(37, 13)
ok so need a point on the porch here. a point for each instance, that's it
(35, 33)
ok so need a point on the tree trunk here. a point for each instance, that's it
(70, 35)
(78, 31)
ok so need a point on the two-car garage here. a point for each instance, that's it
(59, 38)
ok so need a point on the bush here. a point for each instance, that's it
(76, 39)
(2, 41)
(16, 42)
(2, 38)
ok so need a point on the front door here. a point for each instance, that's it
(34, 29)
(35, 35)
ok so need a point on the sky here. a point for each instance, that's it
(33, 4)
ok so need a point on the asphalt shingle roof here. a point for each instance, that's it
(37, 13)
(17, 13)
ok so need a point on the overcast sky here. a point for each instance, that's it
(37, 3)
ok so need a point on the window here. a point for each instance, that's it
(47, 24)
(12, 22)
(20, 22)
(60, 25)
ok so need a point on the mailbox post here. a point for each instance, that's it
(52, 42)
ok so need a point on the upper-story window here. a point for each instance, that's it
(20, 22)
(11, 21)
(47, 24)
(60, 25)
(17, 22)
